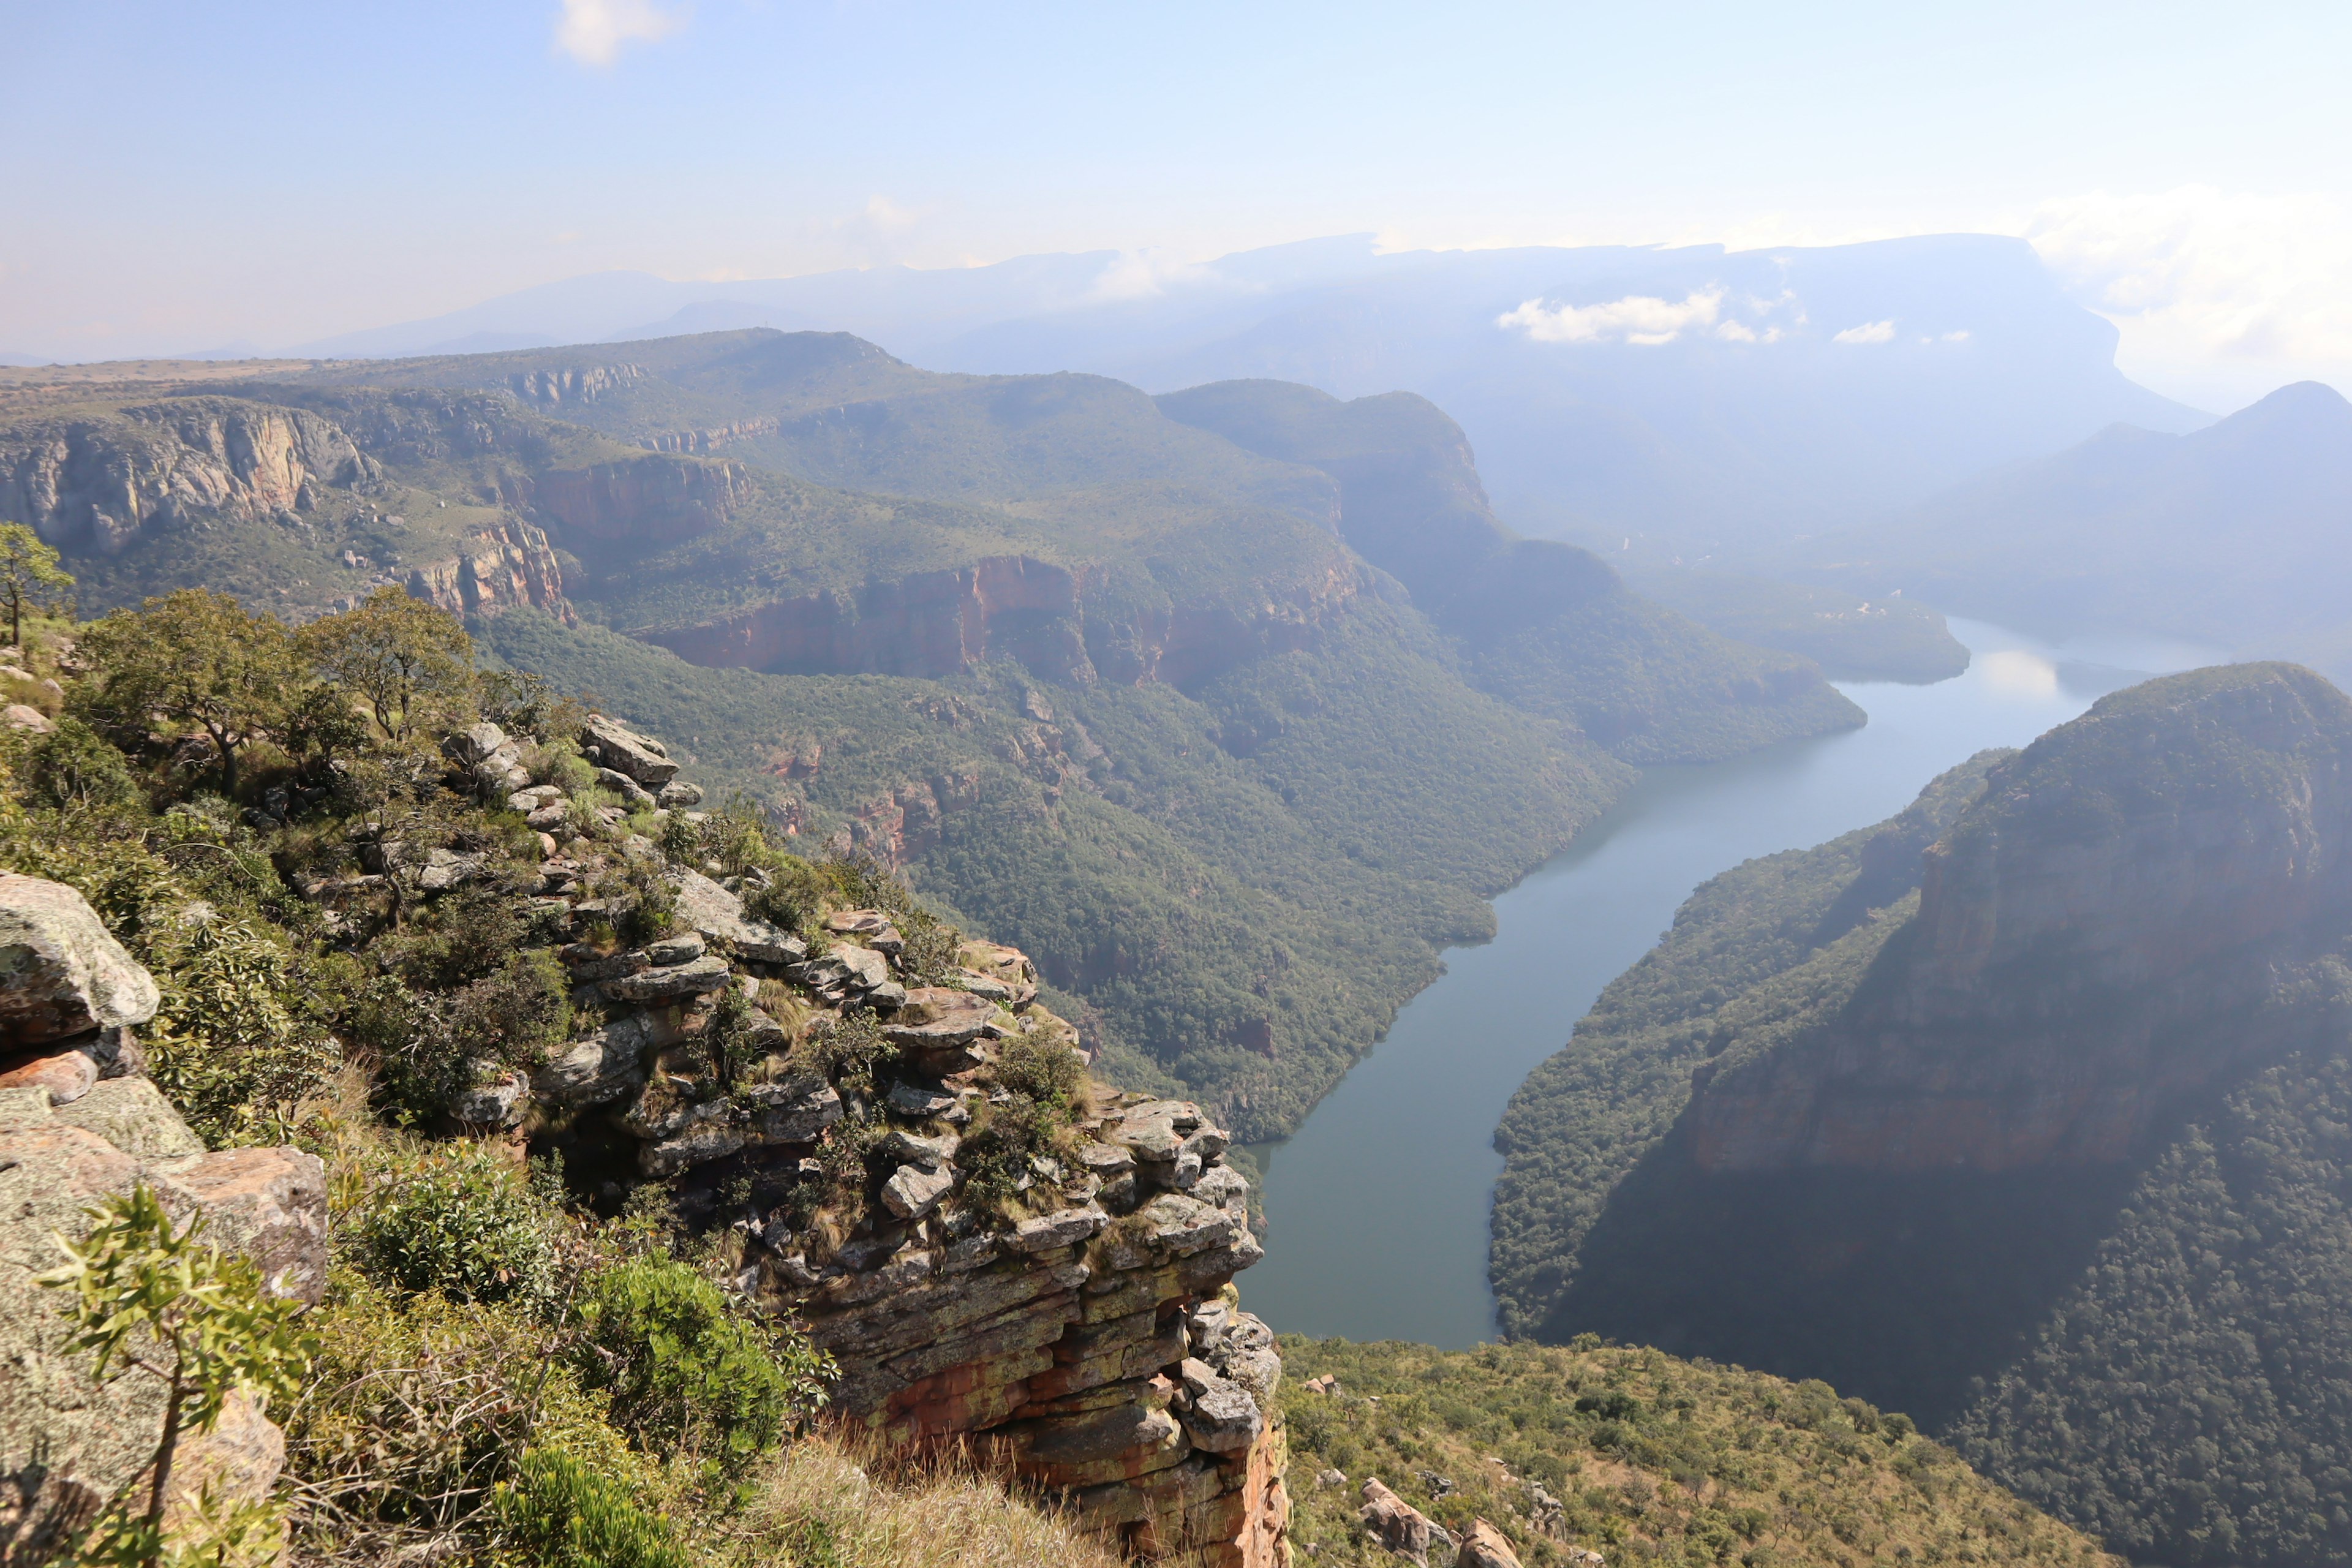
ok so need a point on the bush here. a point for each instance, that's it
(686, 1373)
(460, 1220)
(74, 768)
(235, 1045)
(560, 1514)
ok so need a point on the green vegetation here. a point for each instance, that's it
(1765, 941)
(30, 577)
(1851, 637)
(1636, 1456)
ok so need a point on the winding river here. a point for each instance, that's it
(1376, 1206)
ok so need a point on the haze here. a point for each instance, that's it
(267, 176)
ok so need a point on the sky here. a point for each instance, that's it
(184, 178)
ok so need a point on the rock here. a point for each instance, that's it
(475, 745)
(1107, 1160)
(1065, 1227)
(602, 1068)
(1224, 1186)
(550, 817)
(913, 1100)
(931, 1154)
(530, 799)
(914, 1191)
(133, 1114)
(622, 749)
(446, 869)
(675, 949)
(493, 1100)
(61, 974)
(868, 969)
(936, 1018)
(269, 1204)
(1399, 1526)
(634, 793)
(63, 1076)
(1221, 1417)
(857, 922)
(678, 795)
(706, 973)
(18, 716)
(1006, 966)
(1326, 1479)
(1185, 1225)
(795, 1111)
(703, 1141)
(1483, 1546)
(718, 916)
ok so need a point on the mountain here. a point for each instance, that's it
(1114, 683)
(2023, 1111)
(1706, 399)
(2234, 535)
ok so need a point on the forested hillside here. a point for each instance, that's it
(2062, 1181)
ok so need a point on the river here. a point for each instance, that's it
(1376, 1206)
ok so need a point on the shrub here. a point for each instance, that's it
(849, 1051)
(1042, 1071)
(560, 1514)
(460, 1220)
(685, 1372)
(235, 1045)
(74, 768)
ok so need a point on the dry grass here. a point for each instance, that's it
(837, 1501)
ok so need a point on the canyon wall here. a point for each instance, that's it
(2133, 908)
(505, 567)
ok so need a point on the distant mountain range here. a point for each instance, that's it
(2237, 535)
(1658, 403)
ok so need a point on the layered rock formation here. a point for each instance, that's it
(554, 388)
(1055, 1292)
(94, 484)
(640, 499)
(2123, 915)
(510, 565)
(1056, 620)
(70, 1440)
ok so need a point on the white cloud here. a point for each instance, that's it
(1960, 337)
(1868, 332)
(1147, 274)
(1741, 333)
(594, 31)
(2200, 273)
(1635, 318)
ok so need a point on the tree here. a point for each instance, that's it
(30, 577)
(165, 1303)
(408, 659)
(198, 658)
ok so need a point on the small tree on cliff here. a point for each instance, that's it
(410, 661)
(198, 658)
(30, 577)
(162, 1302)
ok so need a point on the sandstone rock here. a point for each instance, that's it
(446, 869)
(935, 1019)
(675, 949)
(474, 744)
(678, 795)
(1483, 1546)
(495, 1099)
(1007, 966)
(700, 1143)
(605, 1066)
(530, 799)
(133, 1114)
(622, 749)
(1399, 1526)
(719, 915)
(868, 969)
(63, 1076)
(794, 1111)
(704, 974)
(931, 1154)
(61, 974)
(914, 1191)
(269, 1204)
(19, 716)
(1107, 1160)
(552, 816)
(1221, 1417)
(635, 794)
(1065, 1227)
(915, 1100)
(1177, 1223)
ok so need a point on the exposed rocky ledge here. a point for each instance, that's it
(503, 568)
(2132, 909)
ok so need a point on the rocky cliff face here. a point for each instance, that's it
(1065, 1305)
(2130, 910)
(554, 388)
(510, 565)
(1053, 619)
(653, 497)
(95, 484)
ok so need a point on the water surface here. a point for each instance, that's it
(1376, 1206)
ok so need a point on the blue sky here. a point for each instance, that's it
(186, 176)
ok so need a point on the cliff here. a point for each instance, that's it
(510, 565)
(98, 483)
(2122, 918)
(1055, 1292)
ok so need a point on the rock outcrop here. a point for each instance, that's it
(95, 484)
(2128, 911)
(70, 1440)
(501, 569)
(634, 498)
(576, 385)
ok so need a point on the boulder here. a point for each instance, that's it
(61, 974)
(794, 1111)
(1399, 1526)
(269, 1204)
(63, 1076)
(678, 795)
(706, 973)
(936, 1018)
(914, 1191)
(1006, 966)
(133, 1114)
(639, 798)
(446, 869)
(474, 744)
(18, 716)
(1219, 1416)
(605, 1066)
(622, 749)
(1483, 1546)
(1065, 1227)
(869, 970)
(718, 916)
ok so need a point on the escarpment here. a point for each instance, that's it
(898, 1144)
(498, 569)
(2124, 917)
